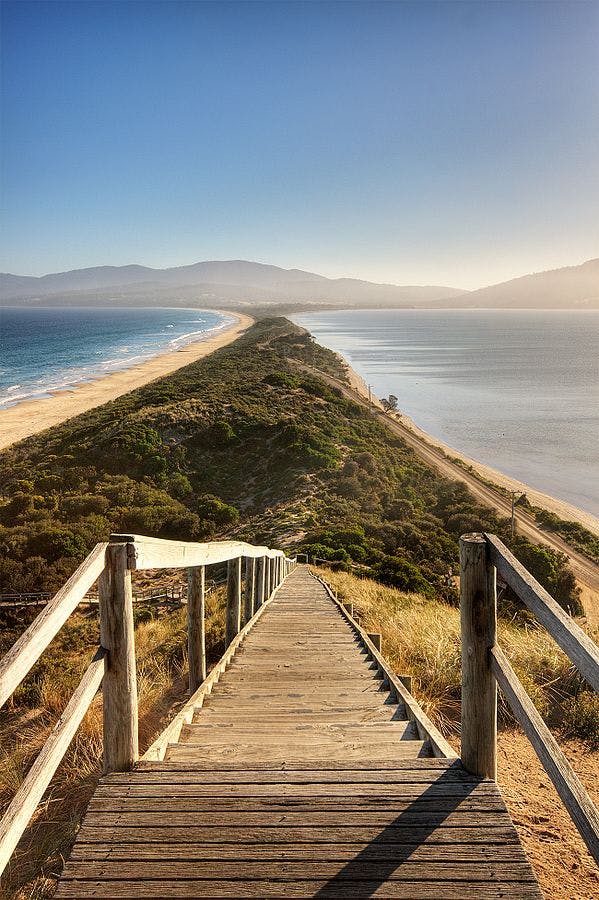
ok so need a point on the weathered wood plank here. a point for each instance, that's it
(348, 751)
(489, 834)
(575, 798)
(456, 852)
(403, 890)
(249, 589)
(575, 643)
(478, 616)
(40, 774)
(248, 869)
(427, 730)
(117, 636)
(196, 635)
(23, 655)
(372, 791)
(155, 553)
(299, 778)
(305, 820)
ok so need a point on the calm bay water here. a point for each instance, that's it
(49, 349)
(517, 390)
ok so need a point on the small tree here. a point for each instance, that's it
(390, 403)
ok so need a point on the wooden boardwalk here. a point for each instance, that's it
(299, 777)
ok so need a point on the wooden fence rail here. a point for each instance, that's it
(114, 666)
(484, 665)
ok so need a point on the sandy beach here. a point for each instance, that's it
(32, 416)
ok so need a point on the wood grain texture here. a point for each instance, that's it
(196, 633)
(233, 615)
(478, 614)
(298, 770)
(574, 796)
(155, 553)
(40, 774)
(117, 636)
(249, 589)
(575, 643)
(23, 655)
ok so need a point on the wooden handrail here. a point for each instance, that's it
(23, 655)
(114, 664)
(484, 665)
(577, 645)
(575, 798)
(156, 553)
(40, 774)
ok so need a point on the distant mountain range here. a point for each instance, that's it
(573, 287)
(238, 283)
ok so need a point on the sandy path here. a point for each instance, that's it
(24, 419)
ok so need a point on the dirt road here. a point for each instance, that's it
(585, 570)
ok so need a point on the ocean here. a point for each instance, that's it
(517, 390)
(49, 349)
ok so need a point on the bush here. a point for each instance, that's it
(581, 718)
(403, 575)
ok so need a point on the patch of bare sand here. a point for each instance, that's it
(24, 419)
(563, 866)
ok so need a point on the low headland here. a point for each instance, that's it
(32, 416)
(263, 440)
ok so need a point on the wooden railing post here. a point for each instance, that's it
(377, 639)
(119, 687)
(260, 581)
(249, 590)
(478, 606)
(233, 599)
(196, 636)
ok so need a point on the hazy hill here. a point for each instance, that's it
(573, 287)
(231, 280)
(241, 283)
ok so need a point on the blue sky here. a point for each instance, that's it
(447, 143)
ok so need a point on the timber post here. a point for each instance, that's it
(260, 581)
(377, 639)
(249, 589)
(478, 612)
(271, 576)
(233, 626)
(196, 636)
(117, 636)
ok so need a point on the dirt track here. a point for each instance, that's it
(585, 570)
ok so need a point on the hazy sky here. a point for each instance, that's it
(447, 143)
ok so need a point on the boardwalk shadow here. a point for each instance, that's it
(396, 843)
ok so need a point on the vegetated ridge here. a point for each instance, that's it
(223, 283)
(245, 442)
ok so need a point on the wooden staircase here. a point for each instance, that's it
(300, 775)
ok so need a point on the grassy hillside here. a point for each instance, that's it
(243, 442)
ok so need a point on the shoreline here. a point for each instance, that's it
(561, 508)
(32, 416)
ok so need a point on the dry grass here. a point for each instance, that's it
(421, 638)
(162, 685)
